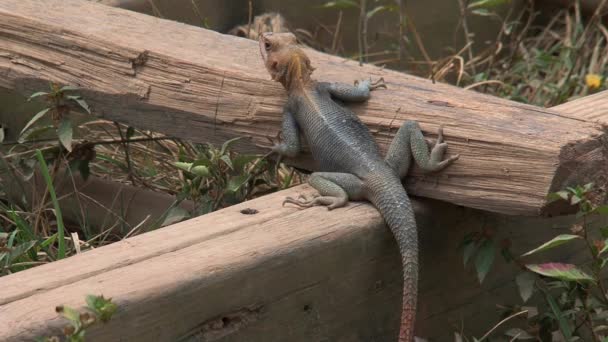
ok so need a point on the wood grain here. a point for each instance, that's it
(208, 87)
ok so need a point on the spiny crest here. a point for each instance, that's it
(298, 66)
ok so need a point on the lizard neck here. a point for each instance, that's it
(299, 87)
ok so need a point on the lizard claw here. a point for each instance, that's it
(378, 84)
(276, 142)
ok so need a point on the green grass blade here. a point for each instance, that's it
(564, 325)
(49, 183)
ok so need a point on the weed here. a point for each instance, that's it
(98, 309)
(573, 298)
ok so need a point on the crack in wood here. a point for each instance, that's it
(224, 325)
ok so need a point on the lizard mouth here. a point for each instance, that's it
(264, 44)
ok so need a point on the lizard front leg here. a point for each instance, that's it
(290, 146)
(358, 93)
(409, 142)
(335, 190)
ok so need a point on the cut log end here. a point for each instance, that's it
(580, 163)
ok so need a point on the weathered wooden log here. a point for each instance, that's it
(207, 87)
(278, 274)
(220, 273)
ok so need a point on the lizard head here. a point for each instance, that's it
(285, 61)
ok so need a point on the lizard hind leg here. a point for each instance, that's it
(335, 189)
(409, 142)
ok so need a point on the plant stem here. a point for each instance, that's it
(465, 28)
(51, 189)
(362, 32)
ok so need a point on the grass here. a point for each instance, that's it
(51, 188)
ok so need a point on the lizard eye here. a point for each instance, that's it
(267, 46)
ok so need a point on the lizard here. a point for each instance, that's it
(349, 160)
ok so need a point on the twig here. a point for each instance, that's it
(500, 323)
(412, 27)
(334, 42)
(474, 85)
(465, 28)
(402, 19)
(250, 19)
(127, 156)
(362, 31)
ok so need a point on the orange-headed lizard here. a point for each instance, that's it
(350, 161)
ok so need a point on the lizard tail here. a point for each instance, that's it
(388, 195)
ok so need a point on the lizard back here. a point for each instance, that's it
(338, 140)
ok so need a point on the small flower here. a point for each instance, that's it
(593, 81)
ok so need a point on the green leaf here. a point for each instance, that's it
(103, 308)
(34, 132)
(240, 161)
(468, 251)
(68, 87)
(11, 238)
(484, 259)
(226, 159)
(36, 117)
(20, 250)
(564, 325)
(235, 183)
(340, 4)
(487, 3)
(183, 166)
(587, 187)
(605, 248)
(375, 11)
(38, 94)
(130, 132)
(48, 241)
(1, 134)
(70, 314)
(81, 102)
(525, 284)
(65, 133)
(85, 169)
(482, 12)
(556, 241)
(566, 272)
(200, 170)
(175, 214)
(82, 166)
(226, 145)
(560, 195)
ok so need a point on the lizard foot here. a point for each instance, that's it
(327, 201)
(378, 84)
(371, 85)
(436, 161)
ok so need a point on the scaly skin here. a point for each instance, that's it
(348, 155)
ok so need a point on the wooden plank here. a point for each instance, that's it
(282, 274)
(171, 282)
(207, 87)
